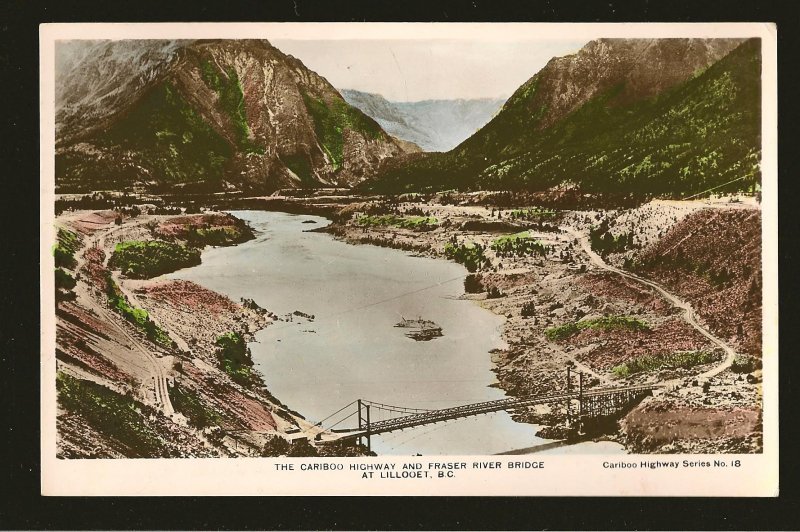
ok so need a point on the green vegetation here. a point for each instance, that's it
(562, 332)
(745, 364)
(136, 316)
(144, 259)
(64, 280)
(231, 98)
(686, 359)
(170, 138)
(699, 134)
(115, 416)
(197, 237)
(300, 165)
(603, 242)
(188, 403)
(234, 357)
(416, 223)
(470, 255)
(64, 250)
(330, 122)
(519, 244)
(533, 213)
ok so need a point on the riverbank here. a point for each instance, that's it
(563, 310)
(560, 310)
(153, 367)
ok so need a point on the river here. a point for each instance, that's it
(351, 349)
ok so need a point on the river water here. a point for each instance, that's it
(351, 349)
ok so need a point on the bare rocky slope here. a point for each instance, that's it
(205, 115)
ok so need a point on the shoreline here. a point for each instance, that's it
(504, 288)
(516, 368)
(198, 406)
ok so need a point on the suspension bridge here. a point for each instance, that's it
(375, 418)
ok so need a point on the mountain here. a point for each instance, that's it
(660, 116)
(433, 125)
(205, 116)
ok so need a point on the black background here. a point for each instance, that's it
(21, 507)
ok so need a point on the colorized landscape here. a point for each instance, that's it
(250, 261)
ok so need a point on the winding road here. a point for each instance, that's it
(688, 312)
(155, 369)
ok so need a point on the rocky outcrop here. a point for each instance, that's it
(206, 115)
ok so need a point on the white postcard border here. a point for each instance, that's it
(756, 475)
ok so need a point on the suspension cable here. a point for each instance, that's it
(343, 419)
(319, 423)
(393, 408)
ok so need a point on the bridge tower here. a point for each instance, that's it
(364, 424)
(579, 418)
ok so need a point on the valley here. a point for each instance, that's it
(563, 304)
(603, 223)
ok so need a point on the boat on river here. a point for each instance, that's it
(420, 330)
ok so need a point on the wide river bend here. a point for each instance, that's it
(351, 349)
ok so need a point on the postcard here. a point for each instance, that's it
(409, 259)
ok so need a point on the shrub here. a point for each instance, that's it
(566, 330)
(471, 256)
(683, 359)
(64, 250)
(415, 223)
(142, 260)
(137, 316)
(528, 309)
(519, 244)
(473, 284)
(234, 357)
(745, 364)
(190, 405)
(276, 446)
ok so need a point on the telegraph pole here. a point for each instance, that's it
(569, 400)
(580, 401)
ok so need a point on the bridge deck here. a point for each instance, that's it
(445, 414)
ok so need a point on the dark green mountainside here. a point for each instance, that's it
(634, 132)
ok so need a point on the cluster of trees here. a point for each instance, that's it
(520, 245)
(67, 245)
(144, 259)
(470, 255)
(604, 242)
(566, 330)
(234, 359)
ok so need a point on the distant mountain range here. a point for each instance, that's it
(662, 116)
(205, 116)
(433, 125)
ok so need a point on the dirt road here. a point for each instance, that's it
(688, 313)
(151, 371)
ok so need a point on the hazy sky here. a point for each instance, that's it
(417, 69)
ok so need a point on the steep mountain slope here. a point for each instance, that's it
(433, 125)
(207, 115)
(667, 116)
